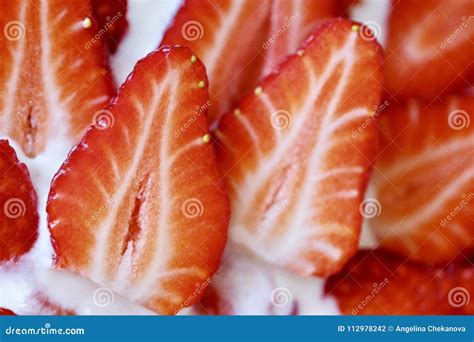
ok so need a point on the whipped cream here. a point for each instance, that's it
(255, 287)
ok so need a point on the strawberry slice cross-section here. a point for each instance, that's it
(424, 179)
(429, 48)
(139, 206)
(54, 75)
(297, 152)
(18, 212)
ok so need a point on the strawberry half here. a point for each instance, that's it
(138, 206)
(111, 17)
(19, 218)
(423, 200)
(429, 48)
(291, 22)
(54, 75)
(295, 173)
(6, 312)
(379, 283)
(227, 36)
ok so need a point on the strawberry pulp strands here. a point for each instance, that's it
(111, 18)
(430, 48)
(240, 41)
(424, 180)
(18, 215)
(380, 283)
(53, 77)
(150, 220)
(295, 172)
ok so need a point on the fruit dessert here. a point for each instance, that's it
(263, 157)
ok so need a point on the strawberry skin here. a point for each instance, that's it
(6, 312)
(54, 75)
(380, 283)
(429, 48)
(111, 16)
(18, 216)
(291, 22)
(227, 36)
(424, 179)
(139, 206)
(295, 172)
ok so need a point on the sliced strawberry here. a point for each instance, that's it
(19, 218)
(6, 312)
(295, 173)
(291, 22)
(378, 283)
(227, 35)
(53, 76)
(138, 206)
(111, 16)
(429, 47)
(423, 196)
